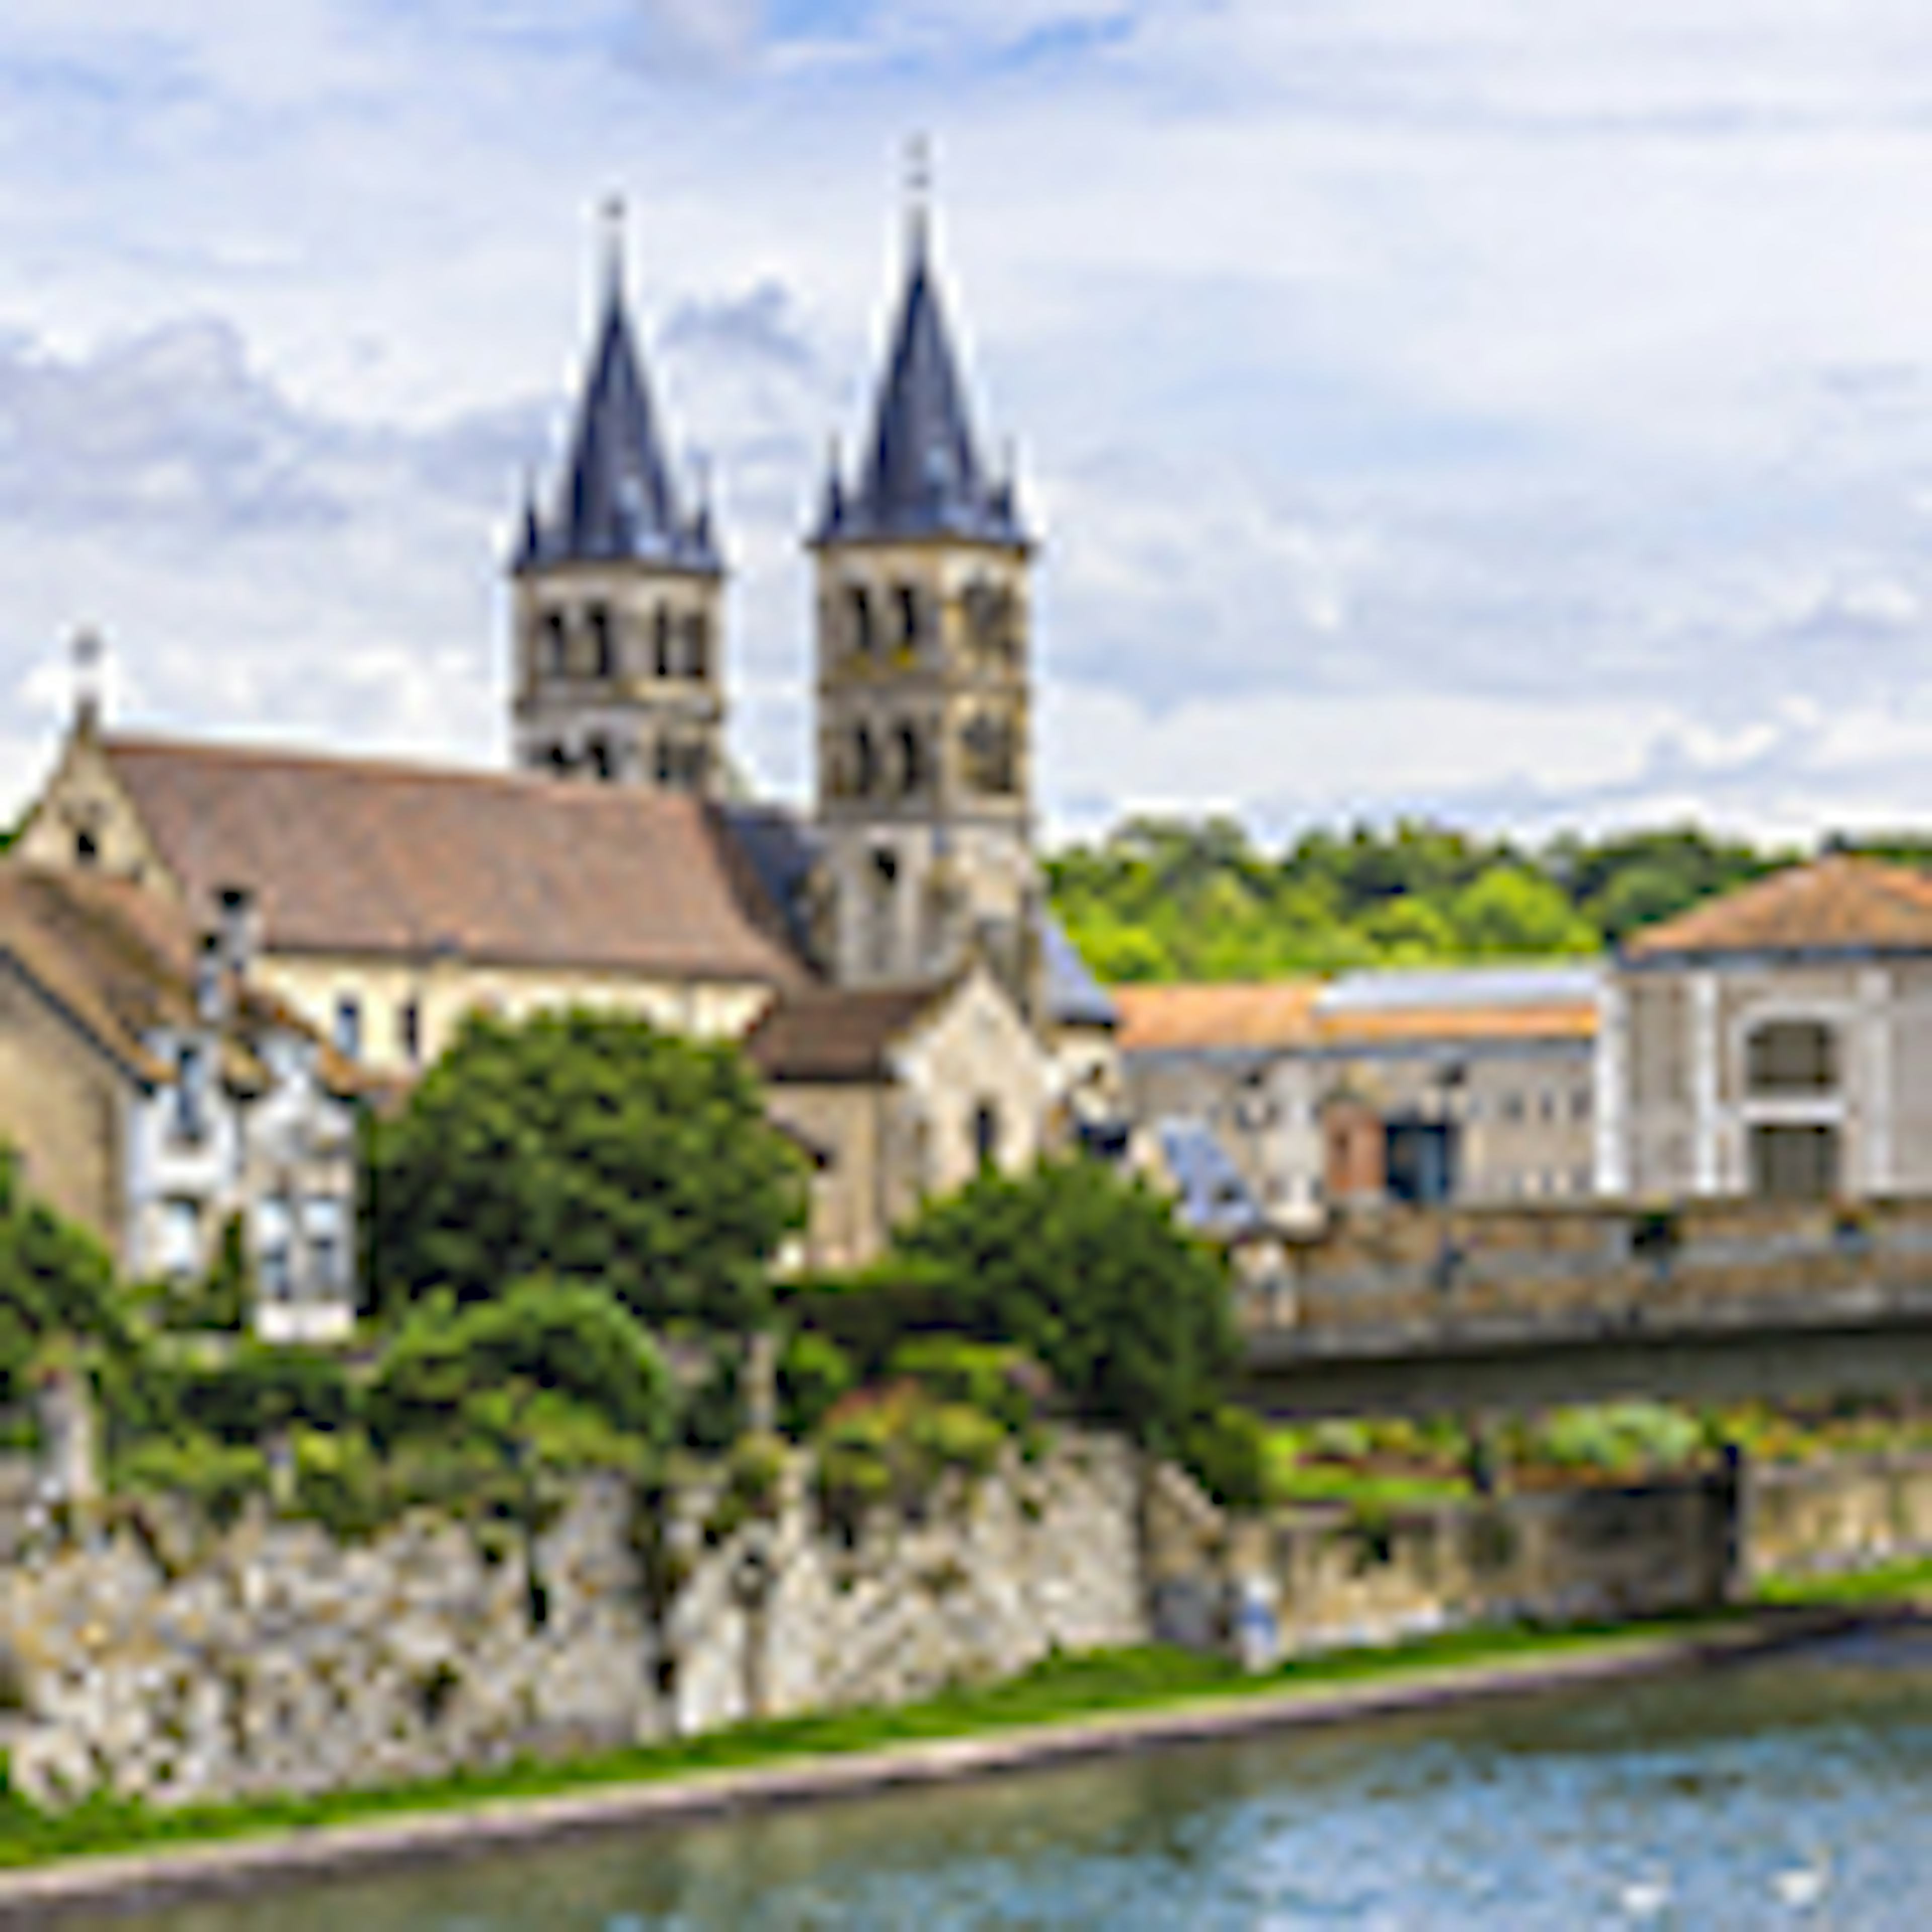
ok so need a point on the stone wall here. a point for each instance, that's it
(1322, 1578)
(1840, 1515)
(155, 1656)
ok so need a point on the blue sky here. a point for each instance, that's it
(1517, 413)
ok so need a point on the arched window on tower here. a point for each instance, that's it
(603, 642)
(661, 641)
(697, 645)
(864, 762)
(556, 644)
(912, 760)
(602, 764)
(911, 612)
(859, 609)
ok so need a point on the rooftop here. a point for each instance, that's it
(1837, 903)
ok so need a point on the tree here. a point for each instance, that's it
(1091, 1276)
(1512, 911)
(591, 1147)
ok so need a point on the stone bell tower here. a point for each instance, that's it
(925, 783)
(617, 592)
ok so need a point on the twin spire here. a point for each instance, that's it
(921, 475)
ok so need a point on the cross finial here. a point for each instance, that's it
(918, 186)
(612, 212)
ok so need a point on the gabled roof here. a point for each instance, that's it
(824, 1035)
(352, 856)
(120, 960)
(1837, 903)
(920, 476)
(616, 501)
(1074, 997)
(1390, 1007)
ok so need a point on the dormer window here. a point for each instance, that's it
(190, 1096)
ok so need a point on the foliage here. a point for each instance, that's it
(814, 1373)
(869, 1312)
(509, 1371)
(1168, 899)
(262, 1389)
(1619, 1438)
(591, 1147)
(713, 1412)
(1227, 1452)
(219, 1477)
(892, 1445)
(1090, 1275)
(220, 1300)
(1003, 1383)
(754, 1477)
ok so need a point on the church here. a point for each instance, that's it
(888, 959)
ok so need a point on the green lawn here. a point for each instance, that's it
(1062, 1688)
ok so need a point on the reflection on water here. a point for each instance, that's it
(1795, 1792)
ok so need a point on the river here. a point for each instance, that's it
(1793, 1791)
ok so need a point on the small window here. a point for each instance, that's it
(86, 848)
(697, 646)
(1792, 1057)
(985, 1134)
(347, 1033)
(557, 642)
(179, 1239)
(1512, 1107)
(321, 1223)
(1580, 1104)
(191, 1092)
(273, 1264)
(602, 765)
(864, 763)
(1794, 1163)
(409, 1029)
(661, 641)
(560, 761)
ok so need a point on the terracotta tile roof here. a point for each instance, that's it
(1238, 1014)
(349, 855)
(1552, 1020)
(827, 1035)
(121, 960)
(1840, 903)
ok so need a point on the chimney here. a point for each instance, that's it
(239, 929)
(86, 652)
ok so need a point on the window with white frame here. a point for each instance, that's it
(274, 1259)
(178, 1239)
(322, 1235)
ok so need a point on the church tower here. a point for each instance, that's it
(617, 592)
(924, 775)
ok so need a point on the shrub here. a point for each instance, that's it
(1227, 1453)
(869, 1313)
(1003, 1383)
(712, 1412)
(218, 1476)
(1090, 1275)
(1620, 1439)
(502, 1368)
(814, 1373)
(263, 1388)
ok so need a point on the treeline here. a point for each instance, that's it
(1162, 898)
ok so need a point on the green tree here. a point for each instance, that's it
(1091, 1276)
(1510, 911)
(593, 1148)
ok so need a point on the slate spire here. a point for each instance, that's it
(616, 501)
(921, 475)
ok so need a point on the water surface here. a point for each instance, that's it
(1790, 1792)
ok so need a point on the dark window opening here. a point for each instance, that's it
(190, 1092)
(985, 1134)
(1792, 1057)
(348, 1031)
(409, 1029)
(86, 849)
(860, 607)
(864, 762)
(660, 638)
(1419, 1160)
(697, 646)
(912, 759)
(602, 764)
(557, 642)
(910, 615)
(559, 760)
(886, 865)
(1794, 1163)
(603, 642)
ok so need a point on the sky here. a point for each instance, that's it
(1515, 414)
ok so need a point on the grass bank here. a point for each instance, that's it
(1906, 1583)
(1062, 1690)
